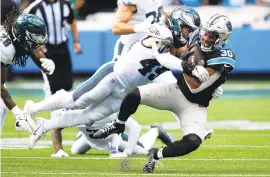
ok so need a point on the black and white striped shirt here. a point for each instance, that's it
(55, 15)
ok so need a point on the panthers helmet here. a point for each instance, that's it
(215, 33)
(30, 32)
(181, 17)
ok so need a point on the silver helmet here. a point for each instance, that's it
(215, 33)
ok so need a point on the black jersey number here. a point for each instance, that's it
(151, 68)
(155, 14)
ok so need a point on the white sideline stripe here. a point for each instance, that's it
(137, 158)
(174, 134)
(130, 174)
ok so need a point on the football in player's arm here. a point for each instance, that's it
(22, 36)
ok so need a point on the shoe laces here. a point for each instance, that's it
(108, 127)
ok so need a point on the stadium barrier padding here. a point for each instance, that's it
(251, 46)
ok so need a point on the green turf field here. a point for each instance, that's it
(230, 152)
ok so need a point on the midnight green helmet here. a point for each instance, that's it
(181, 17)
(30, 32)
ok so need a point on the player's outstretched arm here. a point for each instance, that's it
(123, 16)
(45, 64)
(22, 122)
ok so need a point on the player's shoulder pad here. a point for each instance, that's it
(127, 2)
(223, 56)
(159, 31)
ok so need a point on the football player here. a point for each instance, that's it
(114, 143)
(21, 36)
(132, 20)
(137, 67)
(189, 98)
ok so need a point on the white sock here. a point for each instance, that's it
(134, 130)
(61, 99)
(120, 122)
(159, 153)
(149, 138)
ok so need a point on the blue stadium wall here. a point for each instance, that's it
(251, 47)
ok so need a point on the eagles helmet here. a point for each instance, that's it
(179, 18)
(215, 33)
(30, 32)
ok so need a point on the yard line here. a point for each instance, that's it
(138, 158)
(132, 174)
(173, 133)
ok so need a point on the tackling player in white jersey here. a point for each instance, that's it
(189, 98)
(21, 36)
(133, 18)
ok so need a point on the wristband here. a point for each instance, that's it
(16, 111)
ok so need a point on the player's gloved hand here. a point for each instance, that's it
(217, 93)
(144, 26)
(48, 65)
(186, 55)
(23, 122)
(165, 45)
(201, 73)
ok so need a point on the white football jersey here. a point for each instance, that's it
(7, 49)
(145, 8)
(139, 65)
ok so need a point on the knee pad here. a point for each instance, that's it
(193, 139)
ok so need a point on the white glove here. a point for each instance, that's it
(201, 73)
(22, 120)
(144, 26)
(217, 93)
(48, 65)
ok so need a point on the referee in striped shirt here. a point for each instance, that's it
(56, 13)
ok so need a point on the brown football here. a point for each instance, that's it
(198, 59)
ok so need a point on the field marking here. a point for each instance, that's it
(131, 174)
(138, 158)
(174, 133)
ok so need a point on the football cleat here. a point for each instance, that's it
(209, 134)
(163, 135)
(150, 165)
(38, 133)
(109, 129)
(59, 154)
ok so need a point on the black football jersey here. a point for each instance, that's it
(222, 60)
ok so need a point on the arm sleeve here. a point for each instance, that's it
(167, 60)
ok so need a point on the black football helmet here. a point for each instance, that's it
(181, 17)
(30, 32)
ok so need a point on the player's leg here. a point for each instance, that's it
(80, 145)
(73, 118)
(63, 99)
(160, 96)
(193, 119)
(3, 113)
(167, 77)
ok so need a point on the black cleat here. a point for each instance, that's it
(109, 129)
(163, 135)
(150, 165)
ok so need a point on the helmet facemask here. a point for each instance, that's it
(208, 39)
(215, 33)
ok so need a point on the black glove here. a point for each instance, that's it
(186, 55)
(165, 45)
